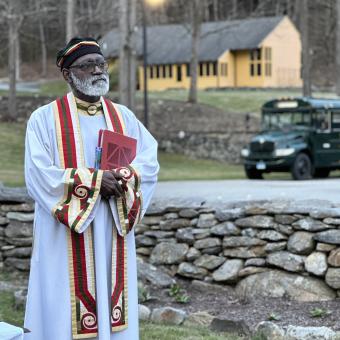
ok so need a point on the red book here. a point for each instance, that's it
(117, 150)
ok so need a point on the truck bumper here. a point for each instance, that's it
(268, 165)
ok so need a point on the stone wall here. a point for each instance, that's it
(16, 229)
(263, 248)
(25, 105)
(224, 147)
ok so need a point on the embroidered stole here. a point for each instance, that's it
(81, 191)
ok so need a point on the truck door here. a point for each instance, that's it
(326, 139)
(335, 135)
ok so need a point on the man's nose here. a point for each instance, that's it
(97, 70)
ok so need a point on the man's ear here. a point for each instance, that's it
(66, 75)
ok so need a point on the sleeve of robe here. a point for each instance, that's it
(140, 177)
(71, 195)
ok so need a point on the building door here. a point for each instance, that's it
(179, 72)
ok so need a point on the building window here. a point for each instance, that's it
(252, 70)
(268, 61)
(151, 72)
(170, 71)
(179, 72)
(164, 71)
(207, 73)
(188, 70)
(214, 65)
(255, 62)
(224, 69)
(201, 65)
(259, 69)
(157, 71)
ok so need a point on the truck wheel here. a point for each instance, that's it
(302, 167)
(253, 173)
(321, 173)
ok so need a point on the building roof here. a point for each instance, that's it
(171, 44)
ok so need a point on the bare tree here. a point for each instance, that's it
(70, 20)
(306, 49)
(14, 19)
(196, 20)
(127, 55)
(43, 45)
(234, 9)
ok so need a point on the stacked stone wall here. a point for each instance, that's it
(239, 244)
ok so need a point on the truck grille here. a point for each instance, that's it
(262, 147)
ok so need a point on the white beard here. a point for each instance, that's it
(86, 86)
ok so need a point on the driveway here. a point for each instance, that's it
(245, 190)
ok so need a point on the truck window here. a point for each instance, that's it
(321, 120)
(336, 120)
(281, 120)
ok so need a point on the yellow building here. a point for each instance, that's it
(255, 53)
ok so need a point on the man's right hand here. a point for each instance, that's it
(110, 185)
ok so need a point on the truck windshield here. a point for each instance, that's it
(285, 120)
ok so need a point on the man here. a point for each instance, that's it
(83, 281)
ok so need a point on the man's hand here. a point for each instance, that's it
(111, 184)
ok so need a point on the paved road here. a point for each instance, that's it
(243, 190)
(21, 86)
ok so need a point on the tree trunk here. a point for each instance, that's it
(337, 54)
(234, 11)
(17, 58)
(196, 17)
(12, 44)
(43, 49)
(43, 45)
(127, 54)
(216, 11)
(70, 23)
(278, 8)
(306, 49)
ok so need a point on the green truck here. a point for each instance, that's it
(299, 135)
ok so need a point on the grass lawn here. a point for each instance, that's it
(7, 311)
(55, 88)
(161, 332)
(12, 136)
(179, 167)
(234, 101)
(147, 330)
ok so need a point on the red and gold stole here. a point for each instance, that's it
(82, 187)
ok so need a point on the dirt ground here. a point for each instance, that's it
(223, 302)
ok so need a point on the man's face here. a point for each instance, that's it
(88, 75)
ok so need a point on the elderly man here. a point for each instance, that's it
(83, 281)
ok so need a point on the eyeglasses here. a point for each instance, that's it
(90, 66)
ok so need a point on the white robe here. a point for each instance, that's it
(48, 309)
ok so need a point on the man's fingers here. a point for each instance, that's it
(116, 174)
(118, 186)
(112, 184)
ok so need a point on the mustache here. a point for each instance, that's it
(96, 78)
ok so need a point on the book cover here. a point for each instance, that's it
(117, 150)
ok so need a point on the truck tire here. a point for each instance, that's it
(302, 167)
(253, 173)
(321, 173)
